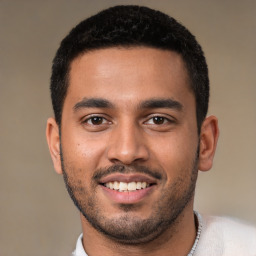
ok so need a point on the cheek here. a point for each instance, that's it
(176, 153)
(82, 151)
(171, 157)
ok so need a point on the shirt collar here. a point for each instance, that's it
(79, 251)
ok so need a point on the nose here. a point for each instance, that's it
(127, 145)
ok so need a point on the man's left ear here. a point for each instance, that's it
(208, 142)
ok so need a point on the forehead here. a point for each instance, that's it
(128, 73)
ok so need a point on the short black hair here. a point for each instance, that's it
(131, 26)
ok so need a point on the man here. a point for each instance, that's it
(130, 94)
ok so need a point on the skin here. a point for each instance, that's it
(126, 133)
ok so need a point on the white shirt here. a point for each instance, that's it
(219, 237)
(79, 251)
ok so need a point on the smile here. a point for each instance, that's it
(125, 187)
(128, 188)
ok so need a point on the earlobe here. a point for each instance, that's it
(53, 140)
(208, 142)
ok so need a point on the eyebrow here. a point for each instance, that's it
(92, 103)
(161, 103)
(147, 104)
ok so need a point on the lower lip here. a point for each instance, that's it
(130, 197)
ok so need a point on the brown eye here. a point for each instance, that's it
(158, 119)
(96, 123)
(96, 120)
(160, 122)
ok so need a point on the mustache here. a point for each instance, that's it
(119, 168)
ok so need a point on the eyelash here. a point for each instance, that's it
(90, 119)
(163, 120)
(102, 120)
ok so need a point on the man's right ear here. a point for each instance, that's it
(53, 140)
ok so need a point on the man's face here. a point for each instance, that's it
(129, 122)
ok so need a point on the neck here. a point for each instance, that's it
(177, 240)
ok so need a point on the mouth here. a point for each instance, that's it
(127, 189)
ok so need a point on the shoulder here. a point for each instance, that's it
(226, 224)
(227, 237)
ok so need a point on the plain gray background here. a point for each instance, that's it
(37, 216)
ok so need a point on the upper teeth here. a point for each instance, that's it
(123, 186)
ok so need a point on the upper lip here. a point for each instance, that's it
(136, 177)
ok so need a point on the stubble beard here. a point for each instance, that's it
(127, 228)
